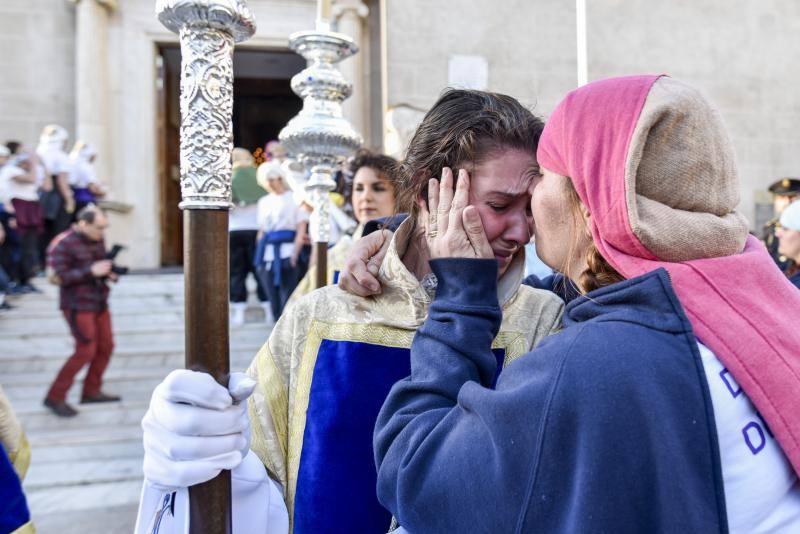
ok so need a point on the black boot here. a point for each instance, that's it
(60, 408)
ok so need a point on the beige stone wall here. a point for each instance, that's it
(37, 42)
(741, 53)
(530, 48)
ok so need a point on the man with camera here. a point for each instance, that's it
(78, 263)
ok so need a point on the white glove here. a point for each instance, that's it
(257, 504)
(195, 428)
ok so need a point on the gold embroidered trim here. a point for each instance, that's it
(21, 458)
(513, 343)
(27, 528)
(277, 403)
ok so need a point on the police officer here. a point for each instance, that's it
(784, 192)
(788, 234)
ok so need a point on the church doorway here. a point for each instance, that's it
(263, 102)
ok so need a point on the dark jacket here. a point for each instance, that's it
(795, 279)
(606, 426)
(556, 283)
(70, 256)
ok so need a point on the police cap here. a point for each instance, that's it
(786, 186)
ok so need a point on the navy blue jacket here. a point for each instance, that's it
(606, 426)
(556, 283)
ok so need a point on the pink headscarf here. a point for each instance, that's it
(740, 305)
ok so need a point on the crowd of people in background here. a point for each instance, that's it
(269, 223)
(41, 191)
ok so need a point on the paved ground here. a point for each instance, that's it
(85, 474)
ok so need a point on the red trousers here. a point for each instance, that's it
(94, 343)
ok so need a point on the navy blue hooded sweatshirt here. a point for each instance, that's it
(606, 426)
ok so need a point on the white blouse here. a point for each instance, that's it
(276, 213)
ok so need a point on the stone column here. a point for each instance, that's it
(348, 17)
(92, 120)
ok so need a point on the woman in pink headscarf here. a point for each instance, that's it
(670, 401)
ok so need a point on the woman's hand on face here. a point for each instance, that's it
(454, 228)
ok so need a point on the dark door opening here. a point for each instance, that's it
(263, 102)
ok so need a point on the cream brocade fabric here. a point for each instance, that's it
(284, 366)
(337, 255)
(13, 438)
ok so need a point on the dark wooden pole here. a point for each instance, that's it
(321, 261)
(205, 252)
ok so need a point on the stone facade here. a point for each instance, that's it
(737, 51)
(530, 48)
(37, 61)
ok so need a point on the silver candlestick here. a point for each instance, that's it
(319, 137)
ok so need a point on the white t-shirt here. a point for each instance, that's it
(82, 175)
(13, 189)
(762, 492)
(243, 218)
(279, 212)
(56, 161)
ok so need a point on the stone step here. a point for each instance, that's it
(126, 285)
(86, 497)
(134, 285)
(53, 324)
(112, 374)
(57, 454)
(90, 416)
(63, 345)
(104, 520)
(139, 303)
(57, 435)
(138, 327)
(51, 311)
(76, 473)
(50, 364)
(130, 382)
(121, 290)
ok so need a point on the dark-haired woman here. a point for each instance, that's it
(669, 401)
(373, 197)
(332, 358)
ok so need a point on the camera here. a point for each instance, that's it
(111, 255)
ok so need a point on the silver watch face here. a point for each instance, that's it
(429, 283)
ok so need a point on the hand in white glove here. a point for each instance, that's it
(195, 428)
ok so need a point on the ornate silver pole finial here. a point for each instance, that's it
(319, 137)
(208, 30)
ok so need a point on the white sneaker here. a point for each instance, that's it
(237, 313)
(268, 318)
